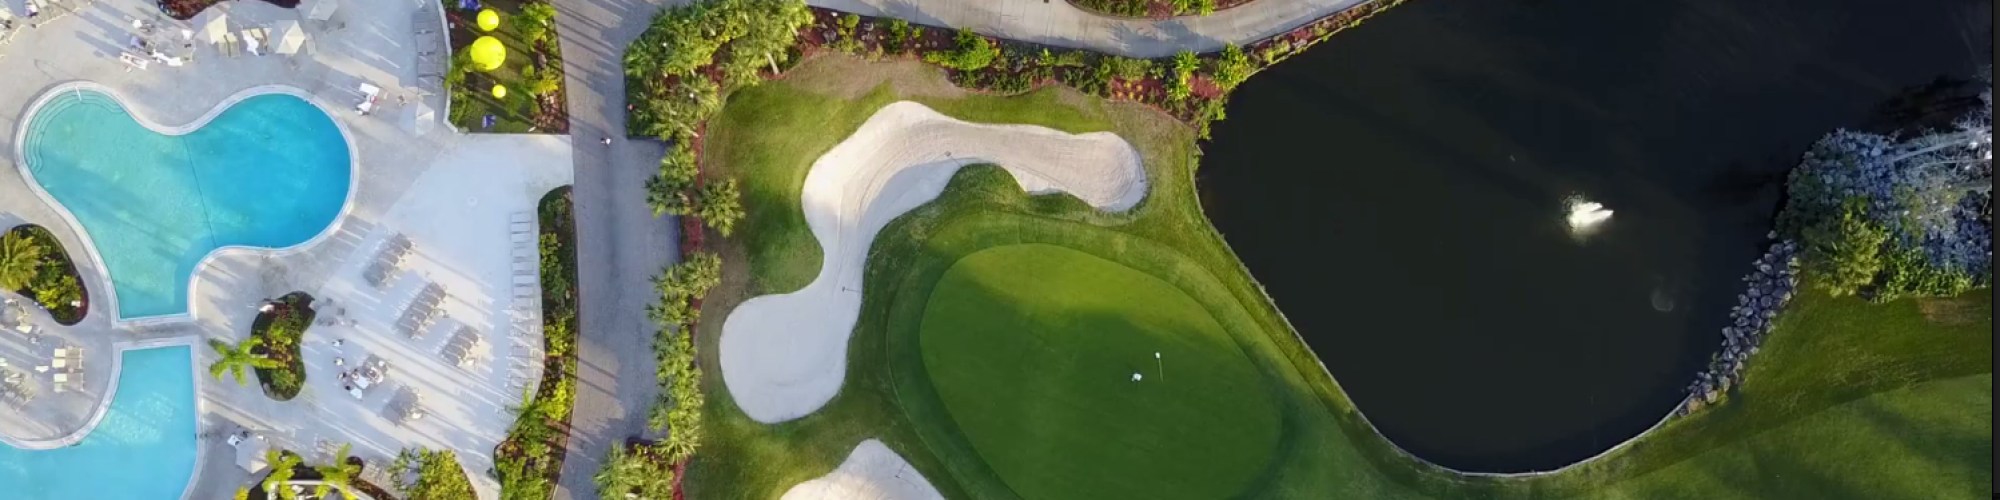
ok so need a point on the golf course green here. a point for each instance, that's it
(999, 332)
(1034, 350)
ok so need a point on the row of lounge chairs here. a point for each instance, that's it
(526, 367)
(388, 260)
(423, 311)
(459, 349)
(15, 389)
(432, 58)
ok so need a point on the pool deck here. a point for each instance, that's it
(453, 196)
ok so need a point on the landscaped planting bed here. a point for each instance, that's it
(35, 260)
(530, 460)
(532, 73)
(281, 330)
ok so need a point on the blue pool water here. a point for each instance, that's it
(144, 449)
(271, 171)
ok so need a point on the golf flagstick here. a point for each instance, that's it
(1161, 364)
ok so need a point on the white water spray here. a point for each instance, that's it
(1585, 217)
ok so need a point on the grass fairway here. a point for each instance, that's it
(1032, 348)
(1847, 399)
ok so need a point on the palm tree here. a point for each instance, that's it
(20, 259)
(626, 473)
(339, 473)
(235, 359)
(282, 466)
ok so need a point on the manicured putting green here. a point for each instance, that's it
(1032, 349)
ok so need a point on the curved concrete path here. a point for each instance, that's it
(1056, 22)
(784, 356)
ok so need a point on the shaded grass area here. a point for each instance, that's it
(1032, 349)
(282, 329)
(1825, 353)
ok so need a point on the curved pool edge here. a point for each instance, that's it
(103, 405)
(90, 246)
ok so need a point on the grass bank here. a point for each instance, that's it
(1833, 366)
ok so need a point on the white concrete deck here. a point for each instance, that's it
(453, 196)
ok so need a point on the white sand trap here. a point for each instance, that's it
(871, 472)
(783, 356)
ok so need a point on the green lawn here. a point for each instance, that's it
(1819, 412)
(1032, 348)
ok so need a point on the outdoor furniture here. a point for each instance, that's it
(291, 38)
(368, 94)
(254, 38)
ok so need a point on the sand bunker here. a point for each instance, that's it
(871, 472)
(783, 356)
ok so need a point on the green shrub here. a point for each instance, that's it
(533, 21)
(974, 53)
(1180, 86)
(899, 34)
(719, 205)
(1843, 252)
(1232, 67)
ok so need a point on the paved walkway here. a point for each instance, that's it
(1056, 22)
(620, 246)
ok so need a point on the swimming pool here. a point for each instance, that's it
(270, 170)
(143, 449)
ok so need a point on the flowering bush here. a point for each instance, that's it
(1931, 192)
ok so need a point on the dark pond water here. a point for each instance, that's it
(1400, 191)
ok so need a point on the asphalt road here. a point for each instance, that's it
(620, 245)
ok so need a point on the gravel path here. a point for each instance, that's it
(620, 246)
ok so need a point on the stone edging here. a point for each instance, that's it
(90, 246)
(111, 391)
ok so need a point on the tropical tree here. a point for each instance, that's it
(283, 465)
(238, 358)
(1232, 67)
(339, 474)
(439, 476)
(1182, 85)
(692, 277)
(720, 205)
(974, 53)
(57, 289)
(1843, 253)
(20, 259)
(673, 312)
(634, 472)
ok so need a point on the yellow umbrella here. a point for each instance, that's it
(488, 54)
(499, 91)
(488, 20)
